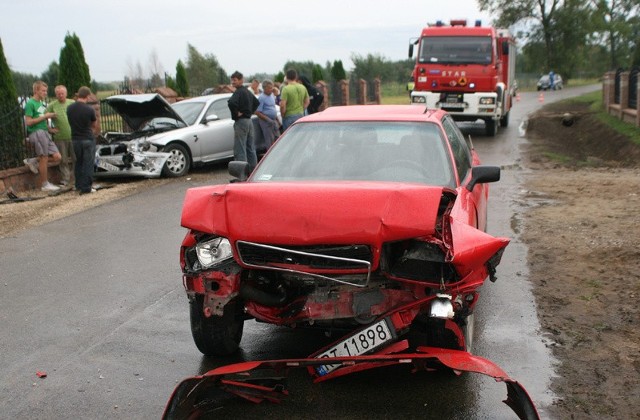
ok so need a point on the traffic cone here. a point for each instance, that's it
(541, 97)
(518, 97)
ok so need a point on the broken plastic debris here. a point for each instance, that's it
(41, 374)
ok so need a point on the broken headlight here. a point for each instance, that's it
(213, 252)
(139, 145)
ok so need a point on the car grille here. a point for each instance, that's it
(327, 257)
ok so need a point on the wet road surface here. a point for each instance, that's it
(95, 300)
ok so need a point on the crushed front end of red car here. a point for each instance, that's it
(341, 254)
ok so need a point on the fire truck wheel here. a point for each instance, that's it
(216, 335)
(504, 121)
(491, 128)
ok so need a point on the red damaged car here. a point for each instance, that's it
(369, 219)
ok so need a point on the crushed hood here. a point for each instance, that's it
(313, 213)
(138, 109)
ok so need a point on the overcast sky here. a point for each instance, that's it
(250, 36)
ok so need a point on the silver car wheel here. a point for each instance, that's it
(178, 163)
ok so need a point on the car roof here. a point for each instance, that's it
(409, 113)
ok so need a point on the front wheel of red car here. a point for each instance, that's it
(216, 335)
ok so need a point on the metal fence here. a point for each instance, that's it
(633, 87)
(617, 86)
(110, 120)
(13, 147)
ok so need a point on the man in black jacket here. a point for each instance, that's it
(242, 105)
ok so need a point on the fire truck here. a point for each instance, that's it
(468, 71)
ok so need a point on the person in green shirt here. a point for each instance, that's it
(294, 99)
(36, 117)
(61, 131)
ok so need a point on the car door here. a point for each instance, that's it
(473, 204)
(216, 137)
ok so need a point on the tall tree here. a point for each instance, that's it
(182, 83)
(337, 71)
(203, 71)
(86, 76)
(74, 71)
(617, 21)
(317, 74)
(11, 130)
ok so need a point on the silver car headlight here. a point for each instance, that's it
(138, 145)
(213, 252)
(487, 100)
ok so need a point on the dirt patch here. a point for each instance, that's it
(43, 207)
(584, 258)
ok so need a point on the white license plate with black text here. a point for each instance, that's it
(107, 166)
(363, 342)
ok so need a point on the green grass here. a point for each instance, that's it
(557, 157)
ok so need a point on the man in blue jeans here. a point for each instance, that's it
(83, 122)
(242, 105)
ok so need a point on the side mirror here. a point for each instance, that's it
(410, 50)
(211, 117)
(239, 170)
(483, 175)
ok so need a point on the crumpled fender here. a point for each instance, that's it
(196, 396)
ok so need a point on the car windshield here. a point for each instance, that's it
(188, 111)
(365, 151)
(455, 49)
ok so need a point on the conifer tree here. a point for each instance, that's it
(74, 71)
(317, 73)
(11, 128)
(182, 85)
(337, 71)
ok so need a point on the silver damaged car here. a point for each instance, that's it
(168, 139)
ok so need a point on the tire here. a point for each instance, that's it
(504, 121)
(178, 163)
(491, 127)
(216, 336)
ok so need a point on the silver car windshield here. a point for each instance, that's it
(364, 151)
(188, 111)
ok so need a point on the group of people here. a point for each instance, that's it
(297, 98)
(73, 125)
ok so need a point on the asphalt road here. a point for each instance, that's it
(95, 300)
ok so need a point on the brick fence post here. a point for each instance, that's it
(362, 93)
(608, 89)
(344, 89)
(377, 92)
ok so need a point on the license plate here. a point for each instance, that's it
(363, 342)
(107, 166)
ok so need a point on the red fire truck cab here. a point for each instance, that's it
(468, 71)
